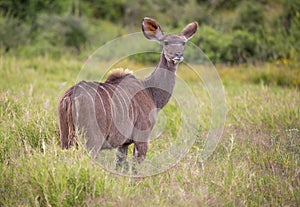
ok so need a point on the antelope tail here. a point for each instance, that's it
(66, 127)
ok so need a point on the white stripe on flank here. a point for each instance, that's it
(117, 95)
(121, 95)
(88, 95)
(108, 95)
(97, 94)
(129, 100)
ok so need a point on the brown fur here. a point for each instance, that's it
(189, 30)
(67, 130)
(97, 109)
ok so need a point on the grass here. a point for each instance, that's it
(256, 163)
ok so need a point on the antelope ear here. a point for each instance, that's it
(152, 30)
(189, 30)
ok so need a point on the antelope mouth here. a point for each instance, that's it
(177, 60)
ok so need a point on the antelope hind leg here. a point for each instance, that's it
(121, 156)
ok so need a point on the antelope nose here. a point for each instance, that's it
(179, 54)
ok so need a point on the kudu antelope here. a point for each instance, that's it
(123, 109)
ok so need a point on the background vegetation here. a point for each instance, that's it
(233, 31)
(44, 43)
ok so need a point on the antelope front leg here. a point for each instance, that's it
(139, 153)
(140, 150)
(121, 156)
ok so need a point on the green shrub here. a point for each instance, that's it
(223, 47)
(12, 34)
(243, 46)
(250, 17)
(215, 44)
(60, 31)
(28, 10)
(291, 22)
(107, 9)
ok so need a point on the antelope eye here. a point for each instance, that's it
(166, 42)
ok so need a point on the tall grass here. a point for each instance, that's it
(255, 164)
(284, 74)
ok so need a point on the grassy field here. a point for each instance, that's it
(257, 162)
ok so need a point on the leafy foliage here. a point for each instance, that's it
(231, 31)
(69, 31)
(12, 33)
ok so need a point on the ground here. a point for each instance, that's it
(256, 163)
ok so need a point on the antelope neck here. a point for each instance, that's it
(161, 82)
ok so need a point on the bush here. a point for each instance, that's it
(28, 10)
(290, 19)
(250, 17)
(243, 46)
(12, 34)
(107, 9)
(215, 44)
(68, 31)
(223, 47)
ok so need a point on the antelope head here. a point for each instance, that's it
(173, 44)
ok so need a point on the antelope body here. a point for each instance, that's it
(123, 109)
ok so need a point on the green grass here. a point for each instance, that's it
(257, 162)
